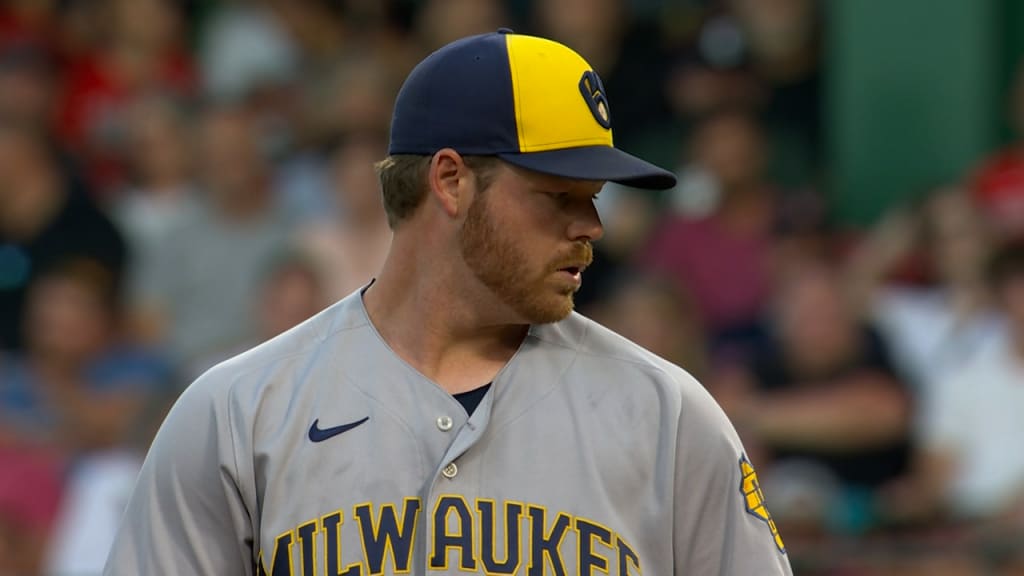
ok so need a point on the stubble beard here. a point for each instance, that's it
(500, 264)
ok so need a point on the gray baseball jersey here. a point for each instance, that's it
(322, 453)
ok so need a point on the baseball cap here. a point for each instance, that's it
(530, 101)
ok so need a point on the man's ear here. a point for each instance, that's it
(448, 179)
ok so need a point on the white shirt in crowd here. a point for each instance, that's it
(977, 418)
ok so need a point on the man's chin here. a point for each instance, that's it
(549, 312)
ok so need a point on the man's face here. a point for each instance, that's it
(527, 239)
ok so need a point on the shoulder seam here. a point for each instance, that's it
(363, 322)
(580, 350)
(285, 356)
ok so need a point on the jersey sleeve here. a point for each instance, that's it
(186, 514)
(722, 524)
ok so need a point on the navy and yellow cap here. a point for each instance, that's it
(530, 101)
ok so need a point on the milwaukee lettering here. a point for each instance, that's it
(481, 536)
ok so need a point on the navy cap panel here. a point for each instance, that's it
(596, 163)
(459, 97)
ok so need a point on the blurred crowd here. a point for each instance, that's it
(183, 179)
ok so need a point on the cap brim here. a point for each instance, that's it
(595, 163)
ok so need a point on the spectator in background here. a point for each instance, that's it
(94, 495)
(938, 317)
(161, 172)
(142, 51)
(651, 312)
(27, 83)
(42, 223)
(975, 465)
(243, 46)
(198, 293)
(78, 387)
(722, 258)
(339, 66)
(708, 71)
(80, 393)
(784, 42)
(350, 248)
(998, 183)
(359, 92)
(163, 192)
(318, 29)
(30, 494)
(762, 56)
(822, 403)
(940, 321)
(290, 291)
(356, 98)
(80, 396)
(29, 94)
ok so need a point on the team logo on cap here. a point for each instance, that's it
(754, 500)
(593, 93)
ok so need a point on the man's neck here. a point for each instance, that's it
(432, 323)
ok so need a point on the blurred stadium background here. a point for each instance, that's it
(841, 263)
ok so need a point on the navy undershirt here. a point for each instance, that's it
(470, 400)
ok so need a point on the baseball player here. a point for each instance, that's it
(455, 415)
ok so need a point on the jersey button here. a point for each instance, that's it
(450, 471)
(444, 423)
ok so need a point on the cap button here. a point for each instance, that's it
(505, 31)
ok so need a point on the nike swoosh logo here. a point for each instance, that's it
(317, 434)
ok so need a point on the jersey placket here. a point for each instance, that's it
(453, 482)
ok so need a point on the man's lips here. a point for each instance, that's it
(573, 274)
(574, 263)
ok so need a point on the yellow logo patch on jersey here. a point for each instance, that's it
(754, 500)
